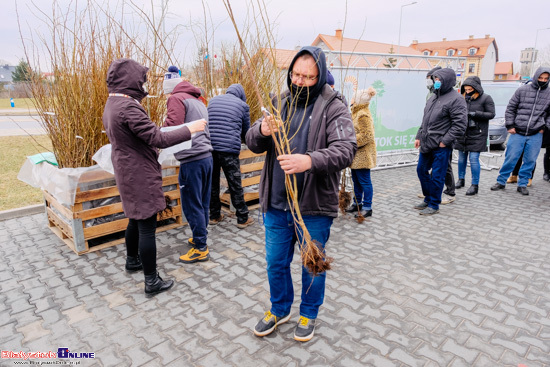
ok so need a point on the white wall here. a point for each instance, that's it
(488, 64)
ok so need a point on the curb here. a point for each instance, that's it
(21, 212)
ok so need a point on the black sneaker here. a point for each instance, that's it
(354, 208)
(523, 190)
(421, 205)
(269, 323)
(305, 329)
(497, 187)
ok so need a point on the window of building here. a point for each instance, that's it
(459, 52)
(472, 51)
(500, 76)
(471, 68)
(426, 53)
(450, 52)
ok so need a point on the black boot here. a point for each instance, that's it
(459, 184)
(133, 264)
(472, 190)
(154, 284)
(354, 207)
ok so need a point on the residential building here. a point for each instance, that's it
(5, 74)
(527, 57)
(504, 71)
(481, 53)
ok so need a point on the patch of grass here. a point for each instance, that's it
(19, 103)
(14, 150)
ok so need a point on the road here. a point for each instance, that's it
(12, 125)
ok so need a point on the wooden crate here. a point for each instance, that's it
(70, 225)
(251, 198)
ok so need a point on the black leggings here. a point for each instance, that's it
(140, 239)
(515, 172)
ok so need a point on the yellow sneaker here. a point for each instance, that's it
(194, 255)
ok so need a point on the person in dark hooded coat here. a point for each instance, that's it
(229, 121)
(444, 121)
(527, 116)
(323, 144)
(135, 139)
(481, 109)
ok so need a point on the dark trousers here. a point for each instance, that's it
(450, 178)
(546, 160)
(231, 166)
(140, 239)
(432, 183)
(195, 182)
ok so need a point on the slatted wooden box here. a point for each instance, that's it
(96, 220)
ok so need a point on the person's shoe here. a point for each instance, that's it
(365, 213)
(354, 207)
(190, 242)
(447, 199)
(546, 177)
(523, 190)
(472, 190)
(429, 211)
(195, 255)
(512, 179)
(154, 284)
(421, 205)
(269, 323)
(497, 187)
(213, 222)
(250, 221)
(304, 330)
(530, 182)
(133, 264)
(420, 196)
(460, 183)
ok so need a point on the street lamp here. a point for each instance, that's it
(535, 50)
(401, 17)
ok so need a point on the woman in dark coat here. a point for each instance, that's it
(135, 139)
(481, 109)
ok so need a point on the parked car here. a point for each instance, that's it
(501, 92)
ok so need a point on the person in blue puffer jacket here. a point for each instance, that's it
(229, 121)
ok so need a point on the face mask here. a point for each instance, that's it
(543, 84)
(437, 84)
(471, 93)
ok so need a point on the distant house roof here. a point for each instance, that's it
(480, 44)
(504, 68)
(282, 57)
(5, 73)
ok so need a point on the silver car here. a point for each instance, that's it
(501, 92)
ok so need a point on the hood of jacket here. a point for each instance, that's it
(447, 77)
(186, 87)
(538, 72)
(474, 82)
(237, 90)
(126, 76)
(431, 72)
(320, 60)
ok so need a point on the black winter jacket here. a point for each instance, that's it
(482, 107)
(445, 115)
(228, 119)
(529, 108)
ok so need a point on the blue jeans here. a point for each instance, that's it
(195, 183)
(474, 165)
(362, 187)
(530, 146)
(280, 238)
(432, 183)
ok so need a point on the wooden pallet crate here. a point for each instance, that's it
(85, 228)
(253, 170)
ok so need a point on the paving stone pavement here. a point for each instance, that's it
(467, 287)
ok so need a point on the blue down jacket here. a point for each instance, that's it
(228, 119)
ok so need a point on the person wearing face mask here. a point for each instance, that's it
(449, 192)
(527, 116)
(323, 144)
(444, 121)
(481, 109)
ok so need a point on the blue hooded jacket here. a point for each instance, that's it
(228, 119)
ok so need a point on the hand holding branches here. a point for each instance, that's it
(294, 163)
(270, 125)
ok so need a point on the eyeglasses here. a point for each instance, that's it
(296, 76)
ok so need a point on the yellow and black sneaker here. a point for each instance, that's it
(190, 242)
(195, 255)
(305, 329)
(268, 323)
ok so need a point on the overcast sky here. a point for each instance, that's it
(514, 24)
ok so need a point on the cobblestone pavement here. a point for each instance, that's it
(467, 287)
